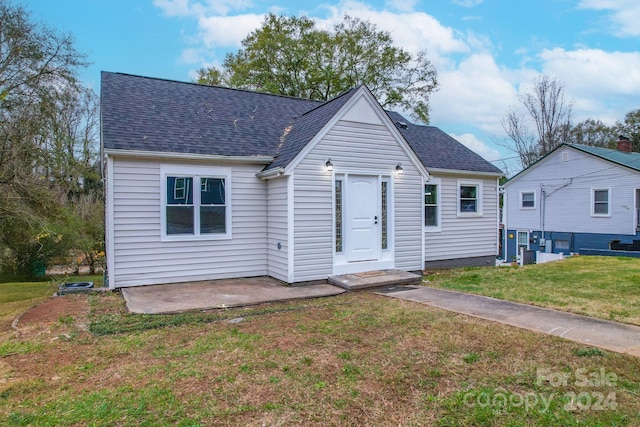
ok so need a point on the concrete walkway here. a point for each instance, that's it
(178, 297)
(608, 335)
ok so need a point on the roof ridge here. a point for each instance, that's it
(297, 98)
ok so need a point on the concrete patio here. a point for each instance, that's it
(211, 294)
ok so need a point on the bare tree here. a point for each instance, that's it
(547, 112)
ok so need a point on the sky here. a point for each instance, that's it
(487, 52)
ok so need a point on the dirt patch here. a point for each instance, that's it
(55, 309)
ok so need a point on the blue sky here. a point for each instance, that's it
(486, 51)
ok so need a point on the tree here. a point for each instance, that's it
(48, 126)
(546, 109)
(290, 56)
(593, 132)
(630, 128)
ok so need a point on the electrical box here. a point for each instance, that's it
(543, 242)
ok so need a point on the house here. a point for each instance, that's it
(575, 198)
(206, 182)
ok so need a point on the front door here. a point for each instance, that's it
(362, 218)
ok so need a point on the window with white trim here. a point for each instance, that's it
(195, 203)
(469, 198)
(431, 205)
(600, 202)
(528, 200)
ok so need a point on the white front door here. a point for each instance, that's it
(362, 218)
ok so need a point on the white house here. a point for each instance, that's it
(206, 182)
(574, 199)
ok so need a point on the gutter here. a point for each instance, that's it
(464, 172)
(187, 156)
(271, 173)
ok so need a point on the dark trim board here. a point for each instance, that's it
(480, 261)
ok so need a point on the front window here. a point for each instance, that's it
(431, 205)
(601, 202)
(180, 205)
(195, 204)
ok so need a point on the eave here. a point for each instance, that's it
(263, 160)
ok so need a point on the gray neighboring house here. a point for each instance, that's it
(206, 182)
(576, 199)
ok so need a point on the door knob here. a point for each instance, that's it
(375, 219)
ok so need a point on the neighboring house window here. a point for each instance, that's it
(469, 198)
(600, 202)
(528, 200)
(338, 201)
(196, 203)
(561, 244)
(431, 195)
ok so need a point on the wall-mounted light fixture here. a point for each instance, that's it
(328, 166)
(399, 170)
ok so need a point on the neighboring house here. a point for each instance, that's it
(206, 182)
(575, 198)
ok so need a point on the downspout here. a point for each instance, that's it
(505, 232)
(543, 197)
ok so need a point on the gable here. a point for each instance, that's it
(573, 162)
(362, 112)
(361, 107)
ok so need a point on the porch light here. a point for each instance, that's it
(328, 165)
(399, 170)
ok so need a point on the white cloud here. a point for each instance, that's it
(604, 85)
(413, 31)
(473, 143)
(227, 31)
(477, 92)
(624, 15)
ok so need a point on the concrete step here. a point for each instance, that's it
(374, 279)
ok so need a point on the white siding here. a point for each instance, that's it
(353, 148)
(141, 258)
(277, 230)
(464, 236)
(569, 185)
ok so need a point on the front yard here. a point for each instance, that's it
(355, 359)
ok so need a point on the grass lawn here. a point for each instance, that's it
(604, 287)
(18, 297)
(354, 359)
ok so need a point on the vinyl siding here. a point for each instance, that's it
(464, 236)
(353, 148)
(569, 185)
(277, 231)
(142, 258)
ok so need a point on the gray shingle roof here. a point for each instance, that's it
(307, 126)
(437, 150)
(148, 114)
